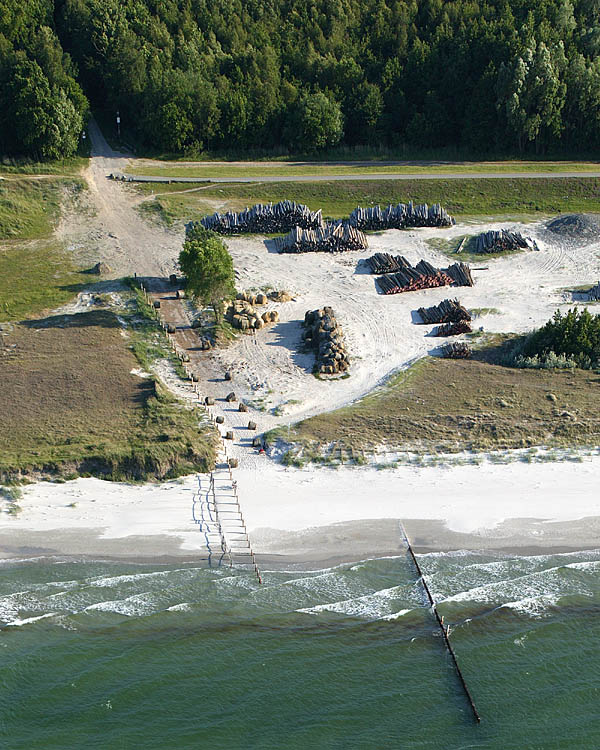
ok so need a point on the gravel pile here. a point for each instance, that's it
(582, 228)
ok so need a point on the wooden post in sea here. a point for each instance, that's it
(442, 627)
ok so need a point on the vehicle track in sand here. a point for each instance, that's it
(109, 228)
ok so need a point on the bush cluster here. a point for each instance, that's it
(566, 341)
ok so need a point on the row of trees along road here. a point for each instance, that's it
(303, 75)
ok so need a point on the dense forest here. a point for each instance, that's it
(511, 76)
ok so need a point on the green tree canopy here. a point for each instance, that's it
(208, 267)
(316, 122)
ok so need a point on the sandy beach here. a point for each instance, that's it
(314, 515)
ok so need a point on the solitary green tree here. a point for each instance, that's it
(208, 267)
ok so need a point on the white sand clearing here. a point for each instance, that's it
(295, 511)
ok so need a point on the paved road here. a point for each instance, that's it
(372, 176)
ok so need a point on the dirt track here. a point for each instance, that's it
(111, 230)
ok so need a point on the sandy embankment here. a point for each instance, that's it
(319, 515)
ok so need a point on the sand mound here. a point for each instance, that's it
(579, 227)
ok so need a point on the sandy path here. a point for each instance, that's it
(111, 230)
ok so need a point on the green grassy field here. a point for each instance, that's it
(30, 208)
(35, 276)
(506, 198)
(36, 273)
(278, 169)
(69, 406)
(446, 406)
(72, 166)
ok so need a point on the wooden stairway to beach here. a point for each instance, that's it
(217, 511)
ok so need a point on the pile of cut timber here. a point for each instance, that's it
(594, 293)
(386, 263)
(460, 273)
(448, 311)
(264, 218)
(410, 279)
(324, 334)
(400, 217)
(497, 241)
(456, 350)
(328, 238)
(453, 329)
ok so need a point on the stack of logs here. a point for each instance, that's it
(453, 329)
(397, 268)
(402, 216)
(262, 218)
(448, 311)
(460, 273)
(456, 350)
(329, 237)
(497, 241)
(324, 335)
(242, 314)
(409, 279)
(386, 263)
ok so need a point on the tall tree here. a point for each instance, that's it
(208, 268)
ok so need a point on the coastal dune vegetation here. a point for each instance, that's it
(69, 402)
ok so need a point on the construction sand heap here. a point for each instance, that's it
(583, 228)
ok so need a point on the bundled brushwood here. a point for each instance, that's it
(386, 263)
(401, 216)
(456, 350)
(324, 335)
(460, 273)
(448, 311)
(453, 329)
(263, 218)
(328, 238)
(497, 241)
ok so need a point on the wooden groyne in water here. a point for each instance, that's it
(442, 627)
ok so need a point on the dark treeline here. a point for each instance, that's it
(512, 76)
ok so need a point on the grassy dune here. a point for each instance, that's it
(70, 405)
(511, 197)
(454, 405)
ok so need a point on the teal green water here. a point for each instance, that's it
(113, 655)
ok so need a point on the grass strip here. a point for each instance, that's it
(514, 197)
(253, 169)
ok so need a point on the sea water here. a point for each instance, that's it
(121, 655)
